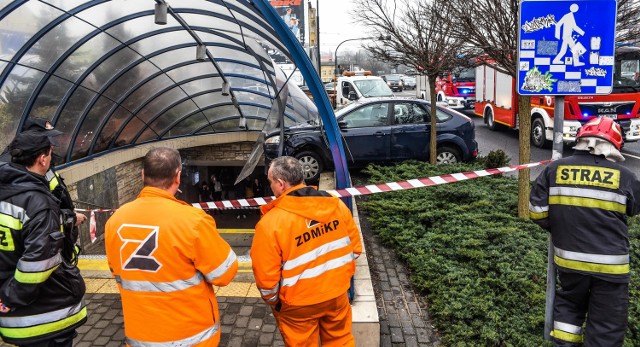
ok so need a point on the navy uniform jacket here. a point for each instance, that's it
(584, 201)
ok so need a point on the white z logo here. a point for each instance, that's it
(139, 243)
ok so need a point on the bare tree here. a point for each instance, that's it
(416, 34)
(371, 63)
(492, 26)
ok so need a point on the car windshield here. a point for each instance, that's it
(627, 72)
(373, 88)
(465, 75)
(393, 77)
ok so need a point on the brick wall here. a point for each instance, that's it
(128, 180)
(218, 153)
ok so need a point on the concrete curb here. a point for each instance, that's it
(366, 323)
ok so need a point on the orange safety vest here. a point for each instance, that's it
(166, 255)
(304, 248)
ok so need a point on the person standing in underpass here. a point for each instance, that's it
(166, 257)
(584, 201)
(303, 257)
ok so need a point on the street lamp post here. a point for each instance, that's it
(335, 61)
(318, 37)
(335, 58)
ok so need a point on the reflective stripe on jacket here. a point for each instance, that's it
(42, 324)
(304, 248)
(52, 178)
(43, 290)
(166, 255)
(584, 201)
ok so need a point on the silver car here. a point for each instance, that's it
(409, 82)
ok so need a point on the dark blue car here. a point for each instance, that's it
(381, 130)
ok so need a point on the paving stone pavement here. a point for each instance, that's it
(404, 320)
(248, 322)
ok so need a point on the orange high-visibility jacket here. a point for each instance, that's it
(165, 255)
(304, 248)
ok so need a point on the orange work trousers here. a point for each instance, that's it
(328, 322)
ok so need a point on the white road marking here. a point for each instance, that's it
(630, 155)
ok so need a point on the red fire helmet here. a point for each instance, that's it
(604, 128)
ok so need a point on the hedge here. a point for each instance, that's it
(481, 269)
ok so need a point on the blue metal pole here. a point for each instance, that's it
(316, 87)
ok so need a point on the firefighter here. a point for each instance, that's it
(303, 255)
(41, 290)
(584, 201)
(166, 257)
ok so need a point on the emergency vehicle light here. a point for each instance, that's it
(356, 73)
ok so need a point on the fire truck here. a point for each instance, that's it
(457, 88)
(497, 102)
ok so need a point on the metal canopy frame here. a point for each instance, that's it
(184, 96)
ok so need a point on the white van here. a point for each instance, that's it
(353, 86)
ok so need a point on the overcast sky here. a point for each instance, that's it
(337, 25)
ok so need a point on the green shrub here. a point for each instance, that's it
(482, 269)
(497, 158)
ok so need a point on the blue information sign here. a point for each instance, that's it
(566, 47)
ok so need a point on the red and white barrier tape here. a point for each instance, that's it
(377, 188)
(92, 220)
(346, 192)
(92, 226)
(95, 210)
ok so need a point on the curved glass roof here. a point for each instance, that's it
(108, 77)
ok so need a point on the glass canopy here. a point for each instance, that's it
(107, 76)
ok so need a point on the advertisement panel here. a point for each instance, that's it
(293, 14)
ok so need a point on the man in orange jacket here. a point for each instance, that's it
(303, 257)
(166, 255)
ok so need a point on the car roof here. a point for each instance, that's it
(358, 78)
(367, 101)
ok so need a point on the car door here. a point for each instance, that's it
(367, 133)
(410, 131)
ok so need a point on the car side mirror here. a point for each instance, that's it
(353, 95)
(342, 124)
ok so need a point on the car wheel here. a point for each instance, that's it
(311, 165)
(488, 119)
(447, 155)
(538, 133)
(440, 98)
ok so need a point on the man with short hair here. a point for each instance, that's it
(41, 290)
(166, 256)
(303, 257)
(584, 201)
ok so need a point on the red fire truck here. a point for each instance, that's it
(497, 102)
(457, 88)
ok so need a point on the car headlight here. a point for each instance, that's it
(273, 140)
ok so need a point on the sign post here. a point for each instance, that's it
(565, 47)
